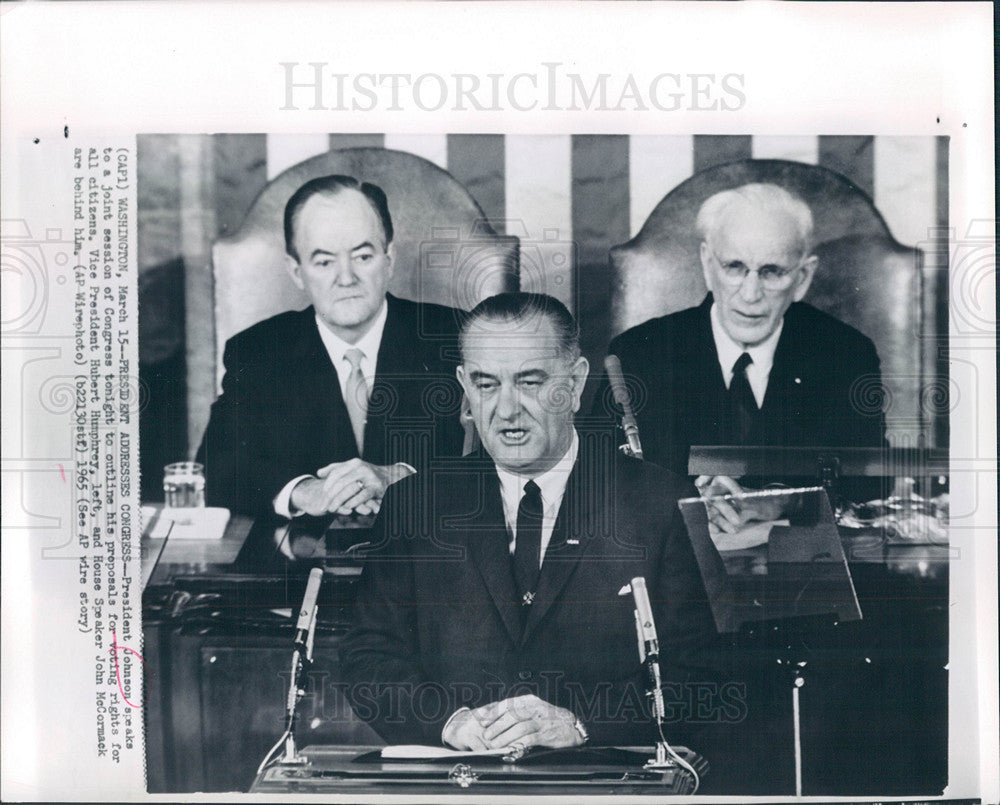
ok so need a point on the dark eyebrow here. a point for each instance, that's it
(475, 374)
(365, 245)
(539, 373)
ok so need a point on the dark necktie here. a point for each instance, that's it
(528, 543)
(742, 405)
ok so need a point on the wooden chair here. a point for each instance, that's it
(865, 278)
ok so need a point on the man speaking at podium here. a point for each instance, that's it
(491, 613)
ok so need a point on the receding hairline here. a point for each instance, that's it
(331, 186)
(478, 326)
(336, 192)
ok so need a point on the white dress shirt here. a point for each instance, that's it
(552, 485)
(369, 344)
(335, 346)
(762, 355)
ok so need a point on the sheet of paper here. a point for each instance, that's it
(417, 752)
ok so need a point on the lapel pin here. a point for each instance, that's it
(572, 542)
(798, 380)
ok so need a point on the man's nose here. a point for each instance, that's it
(345, 275)
(750, 288)
(508, 401)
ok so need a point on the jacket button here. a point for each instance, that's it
(524, 675)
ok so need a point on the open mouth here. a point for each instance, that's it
(513, 436)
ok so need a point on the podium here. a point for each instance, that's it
(584, 770)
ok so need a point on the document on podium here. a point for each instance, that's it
(417, 752)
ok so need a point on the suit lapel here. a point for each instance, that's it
(317, 385)
(489, 550)
(572, 537)
(401, 369)
(708, 359)
(785, 383)
(712, 393)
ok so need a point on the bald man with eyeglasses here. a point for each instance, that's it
(752, 364)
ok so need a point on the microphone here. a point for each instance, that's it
(649, 644)
(302, 627)
(644, 618)
(305, 628)
(613, 367)
(649, 656)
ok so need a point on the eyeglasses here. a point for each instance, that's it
(771, 277)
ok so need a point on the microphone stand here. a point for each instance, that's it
(301, 663)
(651, 662)
(649, 656)
(632, 446)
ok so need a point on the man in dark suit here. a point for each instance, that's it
(322, 409)
(752, 364)
(491, 613)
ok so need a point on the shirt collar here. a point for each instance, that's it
(552, 482)
(729, 350)
(368, 343)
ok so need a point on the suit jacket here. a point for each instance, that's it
(438, 623)
(824, 389)
(281, 413)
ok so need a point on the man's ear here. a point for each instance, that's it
(390, 253)
(579, 373)
(463, 378)
(705, 254)
(805, 277)
(294, 271)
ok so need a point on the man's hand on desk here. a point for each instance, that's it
(528, 721)
(346, 487)
(464, 732)
(730, 515)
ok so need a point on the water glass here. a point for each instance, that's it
(184, 485)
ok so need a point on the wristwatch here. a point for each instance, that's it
(578, 726)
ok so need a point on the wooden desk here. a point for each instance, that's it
(165, 558)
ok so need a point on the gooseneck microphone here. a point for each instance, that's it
(302, 654)
(649, 656)
(649, 645)
(302, 626)
(613, 367)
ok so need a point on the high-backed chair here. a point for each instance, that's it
(446, 252)
(865, 278)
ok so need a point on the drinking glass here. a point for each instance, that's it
(184, 485)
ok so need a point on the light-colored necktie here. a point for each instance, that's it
(356, 396)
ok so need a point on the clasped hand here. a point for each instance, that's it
(345, 487)
(524, 720)
(728, 509)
